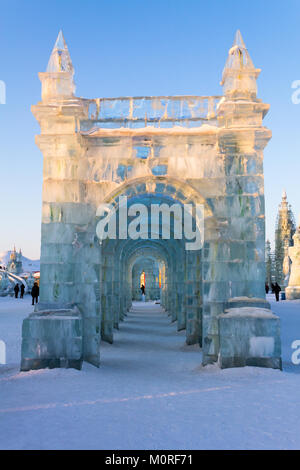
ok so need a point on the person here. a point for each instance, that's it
(267, 288)
(143, 293)
(22, 291)
(16, 289)
(276, 291)
(35, 291)
(273, 287)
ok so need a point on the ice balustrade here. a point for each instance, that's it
(162, 111)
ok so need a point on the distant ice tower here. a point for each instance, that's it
(284, 231)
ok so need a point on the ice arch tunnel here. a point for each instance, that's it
(165, 261)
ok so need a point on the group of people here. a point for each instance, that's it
(18, 289)
(275, 289)
(35, 292)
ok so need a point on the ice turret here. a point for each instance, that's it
(285, 229)
(57, 81)
(239, 74)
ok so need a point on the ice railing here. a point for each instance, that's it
(160, 111)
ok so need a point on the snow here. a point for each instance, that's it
(204, 129)
(256, 312)
(244, 298)
(149, 393)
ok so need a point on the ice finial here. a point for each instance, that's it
(238, 40)
(238, 56)
(57, 81)
(284, 204)
(60, 60)
(239, 74)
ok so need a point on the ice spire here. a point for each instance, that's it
(57, 81)
(238, 55)
(284, 203)
(60, 60)
(239, 74)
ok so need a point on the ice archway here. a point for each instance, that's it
(181, 290)
(181, 149)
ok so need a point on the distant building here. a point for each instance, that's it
(15, 262)
(284, 231)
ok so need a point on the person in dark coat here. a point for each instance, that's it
(35, 292)
(22, 291)
(16, 289)
(143, 289)
(267, 288)
(276, 291)
(272, 287)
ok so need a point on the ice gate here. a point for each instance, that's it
(172, 149)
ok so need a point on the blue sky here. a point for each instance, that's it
(145, 47)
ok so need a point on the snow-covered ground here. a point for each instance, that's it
(149, 393)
